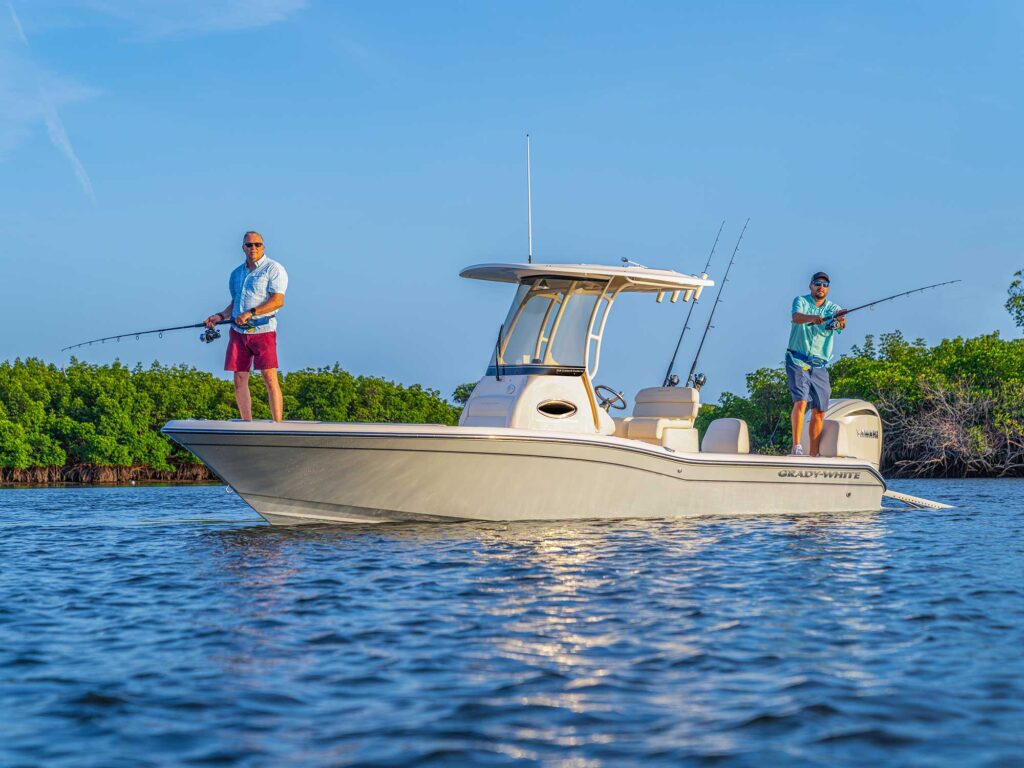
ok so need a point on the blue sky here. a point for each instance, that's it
(379, 148)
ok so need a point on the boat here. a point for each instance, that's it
(537, 439)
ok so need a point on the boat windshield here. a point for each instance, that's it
(549, 323)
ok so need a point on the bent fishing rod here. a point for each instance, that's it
(691, 379)
(686, 325)
(207, 336)
(831, 321)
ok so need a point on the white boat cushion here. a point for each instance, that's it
(652, 429)
(680, 440)
(667, 403)
(726, 436)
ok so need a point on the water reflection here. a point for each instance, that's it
(827, 638)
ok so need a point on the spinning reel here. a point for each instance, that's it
(209, 335)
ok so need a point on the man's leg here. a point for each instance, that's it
(817, 423)
(274, 398)
(242, 396)
(821, 391)
(797, 417)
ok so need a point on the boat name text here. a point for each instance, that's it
(867, 433)
(824, 474)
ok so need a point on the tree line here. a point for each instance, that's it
(955, 409)
(101, 423)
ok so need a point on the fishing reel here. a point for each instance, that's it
(209, 335)
(696, 382)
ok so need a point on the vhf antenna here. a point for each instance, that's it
(529, 204)
(691, 379)
(686, 325)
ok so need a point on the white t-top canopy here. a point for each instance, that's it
(638, 279)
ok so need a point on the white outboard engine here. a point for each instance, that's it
(852, 429)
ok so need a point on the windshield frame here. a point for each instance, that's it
(574, 306)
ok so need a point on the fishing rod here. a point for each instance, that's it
(207, 336)
(831, 321)
(686, 325)
(691, 379)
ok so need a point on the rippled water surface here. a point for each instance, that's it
(169, 626)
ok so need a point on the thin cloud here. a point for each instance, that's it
(23, 106)
(17, 23)
(29, 96)
(59, 137)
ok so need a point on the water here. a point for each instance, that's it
(170, 626)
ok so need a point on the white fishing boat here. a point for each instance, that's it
(536, 440)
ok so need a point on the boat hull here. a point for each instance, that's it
(294, 473)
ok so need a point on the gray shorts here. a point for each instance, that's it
(810, 384)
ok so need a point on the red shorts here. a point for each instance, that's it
(244, 349)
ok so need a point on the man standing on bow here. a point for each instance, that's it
(810, 350)
(257, 292)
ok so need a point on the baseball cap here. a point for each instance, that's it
(820, 276)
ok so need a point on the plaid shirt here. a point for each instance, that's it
(250, 289)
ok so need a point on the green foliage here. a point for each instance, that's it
(332, 394)
(1015, 304)
(462, 392)
(956, 408)
(110, 415)
(766, 410)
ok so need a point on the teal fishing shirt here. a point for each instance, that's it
(812, 342)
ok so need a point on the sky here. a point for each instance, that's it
(379, 148)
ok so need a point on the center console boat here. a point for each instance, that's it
(536, 439)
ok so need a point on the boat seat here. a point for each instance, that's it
(667, 403)
(726, 436)
(663, 416)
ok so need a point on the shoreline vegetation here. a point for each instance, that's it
(954, 410)
(100, 424)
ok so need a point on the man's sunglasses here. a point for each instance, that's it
(820, 282)
(260, 245)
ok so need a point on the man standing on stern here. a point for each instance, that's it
(257, 292)
(810, 350)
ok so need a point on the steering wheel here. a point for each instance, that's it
(611, 400)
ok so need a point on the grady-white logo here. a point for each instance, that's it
(867, 433)
(819, 473)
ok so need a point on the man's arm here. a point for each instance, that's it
(275, 302)
(799, 318)
(224, 314)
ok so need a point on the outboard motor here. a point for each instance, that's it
(852, 429)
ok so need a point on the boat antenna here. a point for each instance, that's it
(830, 319)
(529, 204)
(686, 325)
(691, 380)
(210, 334)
